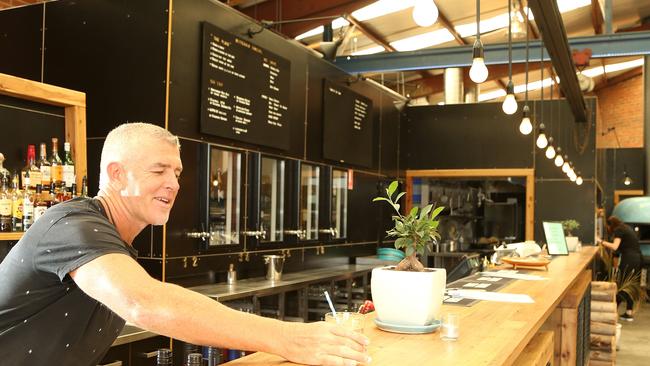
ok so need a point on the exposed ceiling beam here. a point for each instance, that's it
(450, 27)
(531, 27)
(549, 21)
(277, 10)
(637, 71)
(610, 45)
(370, 33)
(435, 83)
(597, 18)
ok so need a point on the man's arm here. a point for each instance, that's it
(120, 283)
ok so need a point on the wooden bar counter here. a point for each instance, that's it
(491, 333)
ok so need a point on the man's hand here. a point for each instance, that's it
(324, 344)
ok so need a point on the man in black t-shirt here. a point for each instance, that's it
(68, 286)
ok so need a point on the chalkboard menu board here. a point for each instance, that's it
(244, 90)
(347, 125)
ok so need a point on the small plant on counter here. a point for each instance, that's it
(569, 226)
(414, 232)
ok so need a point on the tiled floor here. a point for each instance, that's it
(634, 347)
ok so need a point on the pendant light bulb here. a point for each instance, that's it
(526, 127)
(541, 142)
(478, 72)
(558, 157)
(509, 105)
(579, 180)
(573, 177)
(565, 166)
(627, 181)
(550, 150)
(425, 12)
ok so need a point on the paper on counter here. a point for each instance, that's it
(514, 275)
(491, 296)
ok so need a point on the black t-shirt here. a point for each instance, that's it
(45, 319)
(629, 249)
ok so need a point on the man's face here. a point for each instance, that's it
(152, 182)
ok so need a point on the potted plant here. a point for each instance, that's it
(409, 294)
(569, 226)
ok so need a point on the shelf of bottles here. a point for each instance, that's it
(41, 183)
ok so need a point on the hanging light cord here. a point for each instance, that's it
(510, 39)
(527, 26)
(478, 17)
(541, 70)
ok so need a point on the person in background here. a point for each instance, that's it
(72, 280)
(625, 244)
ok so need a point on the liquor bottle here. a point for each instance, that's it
(52, 199)
(164, 357)
(28, 204)
(3, 172)
(84, 187)
(34, 173)
(68, 166)
(194, 359)
(73, 191)
(16, 205)
(213, 355)
(40, 205)
(45, 167)
(5, 205)
(57, 164)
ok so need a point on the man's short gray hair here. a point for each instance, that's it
(123, 139)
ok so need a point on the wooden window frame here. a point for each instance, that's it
(74, 104)
(529, 174)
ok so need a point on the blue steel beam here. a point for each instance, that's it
(608, 45)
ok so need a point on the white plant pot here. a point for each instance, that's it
(408, 298)
(572, 243)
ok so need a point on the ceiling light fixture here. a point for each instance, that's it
(541, 142)
(425, 13)
(626, 180)
(525, 127)
(478, 72)
(550, 150)
(559, 161)
(509, 105)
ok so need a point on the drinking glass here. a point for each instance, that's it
(353, 321)
(450, 327)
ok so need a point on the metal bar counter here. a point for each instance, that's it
(290, 281)
(491, 333)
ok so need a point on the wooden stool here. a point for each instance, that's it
(538, 352)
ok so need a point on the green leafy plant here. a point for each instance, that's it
(629, 282)
(569, 226)
(414, 232)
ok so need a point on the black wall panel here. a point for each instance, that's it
(115, 52)
(463, 136)
(26, 123)
(363, 214)
(617, 161)
(559, 200)
(185, 87)
(20, 41)
(389, 132)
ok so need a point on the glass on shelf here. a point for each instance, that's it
(309, 200)
(272, 199)
(224, 197)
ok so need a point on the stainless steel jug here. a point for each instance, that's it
(274, 264)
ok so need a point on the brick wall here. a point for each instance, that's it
(620, 105)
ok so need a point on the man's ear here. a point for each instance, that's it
(116, 175)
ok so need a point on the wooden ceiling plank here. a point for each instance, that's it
(371, 34)
(597, 18)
